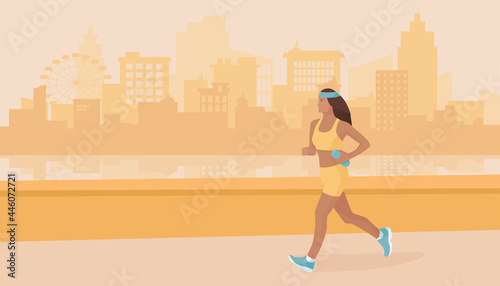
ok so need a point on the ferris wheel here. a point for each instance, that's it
(74, 77)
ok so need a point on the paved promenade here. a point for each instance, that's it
(419, 258)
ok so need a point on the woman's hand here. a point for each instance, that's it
(344, 156)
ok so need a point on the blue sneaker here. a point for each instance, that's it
(302, 263)
(385, 240)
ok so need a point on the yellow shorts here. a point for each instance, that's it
(334, 179)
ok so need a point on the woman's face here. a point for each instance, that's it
(324, 105)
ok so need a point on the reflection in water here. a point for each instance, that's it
(157, 167)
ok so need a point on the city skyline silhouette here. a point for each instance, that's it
(225, 89)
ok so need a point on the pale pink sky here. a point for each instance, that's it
(467, 37)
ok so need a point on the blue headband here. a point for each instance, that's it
(328, 94)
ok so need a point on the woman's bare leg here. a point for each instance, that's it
(324, 207)
(345, 213)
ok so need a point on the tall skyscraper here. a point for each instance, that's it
(201, 46)
(306, 70)
(362, 78)
(418, 56)
(192, 95)
(242, 78)
(145, 78)
(392, 98)
(90, 47)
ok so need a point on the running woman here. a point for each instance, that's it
(326, 135)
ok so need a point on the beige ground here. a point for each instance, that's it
(424, 258)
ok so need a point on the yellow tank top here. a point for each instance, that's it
(328, 140)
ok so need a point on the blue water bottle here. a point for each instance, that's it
(336, 154)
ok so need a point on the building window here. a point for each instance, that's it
(130, 83)
(129, 66)
(159, 83)
(149, 92)
(149, 66)
(159, 75)
(159, 66)
(138, 91)
(149, 83)
(149, 100)
(159, 92)
(129, 101)
(139, 83)
(129, 75)
(149, 74)
(294, 64)
(129, 92)
(138, 74)
(138, 66)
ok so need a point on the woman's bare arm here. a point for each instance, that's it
(348, 130)
(311, 150)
